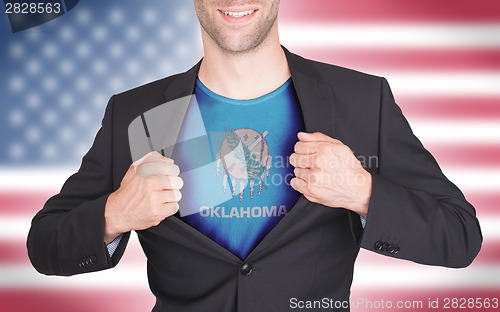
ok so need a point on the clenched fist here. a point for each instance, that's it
(327, 172)
(148, 193)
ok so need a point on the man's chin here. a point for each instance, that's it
(239, 45)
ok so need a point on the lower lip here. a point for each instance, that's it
(237, 20)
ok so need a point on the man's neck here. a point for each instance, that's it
(246, 75)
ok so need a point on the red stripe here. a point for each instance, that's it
(77, 300)
(106, 300)
(489, 255)
(450, 107)
(14, 252)
(391, 11)
(486, 204)
(367, 299)
(463, 156)
(18, 202)
(383, 60)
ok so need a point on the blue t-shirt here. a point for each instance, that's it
(234, 160)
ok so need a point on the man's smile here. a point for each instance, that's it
(237, 15)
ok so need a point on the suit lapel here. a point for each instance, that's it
(317, 105)
(315, 98)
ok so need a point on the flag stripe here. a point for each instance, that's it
(362, 299)
(363, 11)
(384, 36)
(382, 60)
(83, 300)
(467, 155)
(449, 107)
(489, 255)
(457, 131)
(134, 276)
(417, 299)
(20, 202)
(14, 252)
(486, 202)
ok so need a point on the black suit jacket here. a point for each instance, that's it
(415, 213)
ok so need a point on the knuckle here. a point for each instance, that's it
(316, 177)
(297, 147)
(173, 169)
(317, 161)
(177, 195)
(311, 190)
(179, 182)
(172, 208)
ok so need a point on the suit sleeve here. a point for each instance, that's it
(415, 212)
(67, 235)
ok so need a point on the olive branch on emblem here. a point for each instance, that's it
(253, 166)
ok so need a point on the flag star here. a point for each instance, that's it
(17, 151)
(33, 100)
(16, 50)
(149, 16)
(99, 33)
(33, 134)
(33, 67)
(16, 84)
(83, 16)
(116, 16)
(16, 118)
(83, 49)
(132, 33)
(67, 33)
(50, 50)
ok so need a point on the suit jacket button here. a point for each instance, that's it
(378, 245)
(246, 269)
(93, 260)
(384, 246)
(390, 249)
(396, 249)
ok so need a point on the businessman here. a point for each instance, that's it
(280, 203)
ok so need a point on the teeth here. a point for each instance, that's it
(239, 14)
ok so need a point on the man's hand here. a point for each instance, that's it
(327, 172)
(148, 193)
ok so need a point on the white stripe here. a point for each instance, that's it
(333, 35)
(472, 180)
(123, 277)
(470, 83)
(419, 276)
(16, 228)
(385, 276)
(43, 180)
(469, 179)
(456, 131)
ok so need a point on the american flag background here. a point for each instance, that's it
(441, 57)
